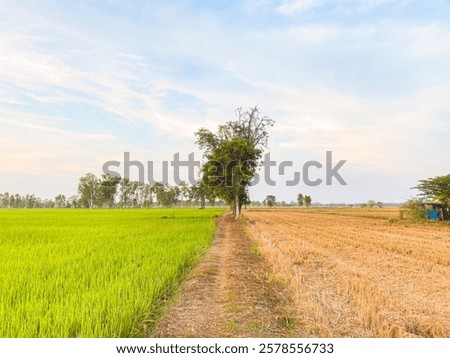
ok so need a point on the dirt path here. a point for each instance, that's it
(231, 293)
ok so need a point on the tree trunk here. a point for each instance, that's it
(238, 207)
(233, 207)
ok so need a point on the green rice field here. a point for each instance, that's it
(93, 273)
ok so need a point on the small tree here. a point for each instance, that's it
(371, 203)
(146, 195)
(300, 199)
(270, 200)
(60, 201)
(5, 200)
(308, 201)
(197, 195)
(126, 192)
(89, 188)
(184, 192)
(166, 195)
(108, 190)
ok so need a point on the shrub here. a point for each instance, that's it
(413, 209)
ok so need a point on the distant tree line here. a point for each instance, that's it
(371, 204)
(113, 192)
(8, 200)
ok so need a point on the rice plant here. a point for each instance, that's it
(93, 273)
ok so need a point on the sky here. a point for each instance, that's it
(82, 82)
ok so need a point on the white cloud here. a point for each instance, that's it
(289, 7)
(32, 143)
(292, 7)
(49, 79)
(367, 5)
(428, 40)
(377, 136)
(189, 69)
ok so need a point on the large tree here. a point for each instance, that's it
(232, 156)
(228, 172)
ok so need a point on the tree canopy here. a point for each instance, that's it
(232, 156)
(436, 189)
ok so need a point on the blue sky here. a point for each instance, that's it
(82, 82)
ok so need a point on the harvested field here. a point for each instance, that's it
(353, 276)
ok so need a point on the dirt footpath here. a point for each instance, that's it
(231, 293)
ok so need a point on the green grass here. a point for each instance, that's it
(93, 273)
